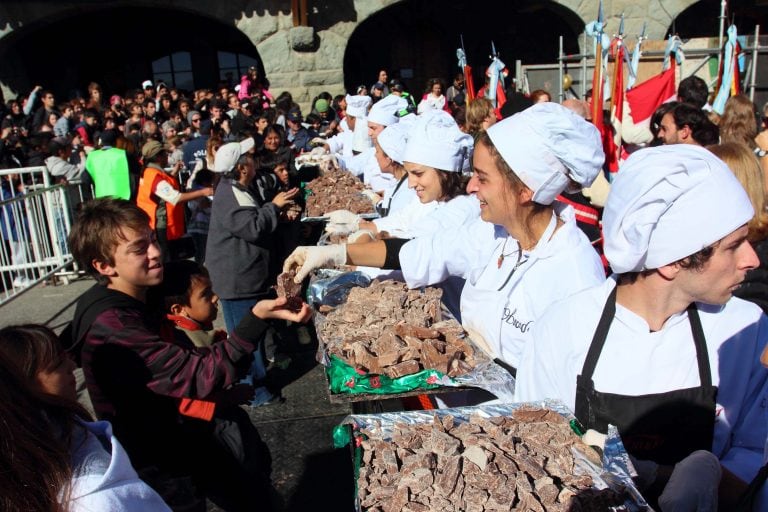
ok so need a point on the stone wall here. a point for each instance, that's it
(307, 60)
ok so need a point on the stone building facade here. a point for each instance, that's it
(303, 60)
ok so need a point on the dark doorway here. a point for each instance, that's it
(702, 19)
(116, 48)
(415, 40)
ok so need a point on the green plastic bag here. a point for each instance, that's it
(344, 379)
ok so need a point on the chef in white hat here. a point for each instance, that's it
(382, 114)
(661, 349)
(342, 144)
(525, 252)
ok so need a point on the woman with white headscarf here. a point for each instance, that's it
(661, 350)
(524, 253)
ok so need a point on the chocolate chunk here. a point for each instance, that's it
(287, 288)
(402, 369)
(497, 463)
(450, 468)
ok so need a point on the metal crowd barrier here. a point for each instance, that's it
(34, 223)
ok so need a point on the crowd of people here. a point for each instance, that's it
(638, 301)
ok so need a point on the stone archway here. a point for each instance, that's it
(414, 40)
(115, 47)
(701, 18)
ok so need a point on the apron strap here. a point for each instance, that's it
(702, 355)
(601, 334)
(385, 211)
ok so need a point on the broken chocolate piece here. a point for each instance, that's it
(287, 288)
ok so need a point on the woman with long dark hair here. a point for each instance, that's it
(53, 457)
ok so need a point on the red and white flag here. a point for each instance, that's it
(645, 98)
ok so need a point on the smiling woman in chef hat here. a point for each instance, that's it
(525, 252)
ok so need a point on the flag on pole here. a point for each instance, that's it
(497, 71)
(602, 44)
(634, 63)
(643, 99)
(612, 138)
(469, 85)
(728, 80)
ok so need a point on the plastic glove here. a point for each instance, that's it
(693, 484)
(373, 196)
(306, 259)
(342, 222)
(343, 217)
(594, 438)
(362, 236)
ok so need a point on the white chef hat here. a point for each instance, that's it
(227, 155)
(393, 140)
(357, 106)
(547, 146)
(385, 110)
(436, 141)
(667, 203)
(360, 138)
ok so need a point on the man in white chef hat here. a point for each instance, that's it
(383, 113)
(662, 350)
(343, 144)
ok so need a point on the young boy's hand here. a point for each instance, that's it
(277, 309)
(284, 198)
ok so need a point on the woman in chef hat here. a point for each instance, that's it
(436, 154)
(524, 253)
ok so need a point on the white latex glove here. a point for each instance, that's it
(343, 217)
(693, 484)
(362, 233)
(594, 438)
(307, 258)
(342, 222)
(373, 196)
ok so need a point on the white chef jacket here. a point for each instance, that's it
(424, 220)
(400, 198)
(400, 224)
(636, 361)
(365, 167)
(557, 267)
(341, 143)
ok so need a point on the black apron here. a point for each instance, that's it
(384, 211)
(661, 427)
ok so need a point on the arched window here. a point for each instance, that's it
(234, 65)
(175, 70)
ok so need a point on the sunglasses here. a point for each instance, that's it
(196, 120)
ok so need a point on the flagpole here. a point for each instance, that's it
(723, 7)
(560, 71)
(755, 57)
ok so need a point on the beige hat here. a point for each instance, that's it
(151, 149)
